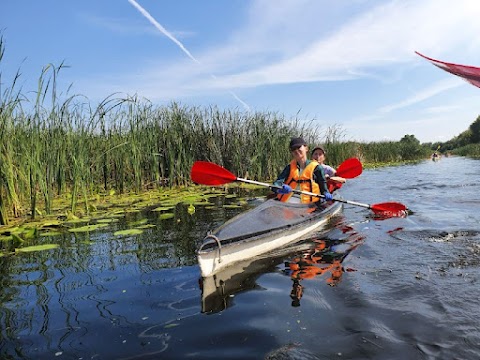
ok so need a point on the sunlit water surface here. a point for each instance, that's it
(398, 288)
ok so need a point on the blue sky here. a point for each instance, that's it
(341, 63)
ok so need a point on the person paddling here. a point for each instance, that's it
(333, 182)
(302, 174)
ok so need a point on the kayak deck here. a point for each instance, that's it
(268, 226)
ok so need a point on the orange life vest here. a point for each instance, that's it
(305, 179)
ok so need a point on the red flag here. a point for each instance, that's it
(468, 73)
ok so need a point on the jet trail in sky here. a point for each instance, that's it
(180, 45)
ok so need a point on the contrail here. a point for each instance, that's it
(161, 28)
(180, 45)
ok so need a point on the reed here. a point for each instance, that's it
(59, 144)
(10, 100)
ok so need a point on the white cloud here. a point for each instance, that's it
(441, 109)
(290, 42)
(381, 36)
(424, 94)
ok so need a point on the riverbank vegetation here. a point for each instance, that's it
(59, 145)
(466, 143)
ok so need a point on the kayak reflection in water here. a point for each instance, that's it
(325, 258)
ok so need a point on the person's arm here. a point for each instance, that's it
(338, 179)
(283, 176)
(328, 171)
(319, 177)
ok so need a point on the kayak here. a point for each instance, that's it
(269, 226)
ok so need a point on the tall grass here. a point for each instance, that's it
(60, 144)
(471, 150)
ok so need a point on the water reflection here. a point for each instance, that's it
(219, 289)
(314, 257)
(415, 292)
(95, 285)
(324, 260)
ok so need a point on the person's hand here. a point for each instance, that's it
(328, 196)
(285, 189)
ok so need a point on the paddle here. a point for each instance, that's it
(207, 173)
(349, 169)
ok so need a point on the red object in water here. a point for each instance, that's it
(470, 74)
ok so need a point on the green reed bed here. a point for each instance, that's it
(60, 145)
(125, 145)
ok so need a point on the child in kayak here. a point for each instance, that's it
(302, 174)
(333, 182)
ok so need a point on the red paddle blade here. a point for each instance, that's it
(207, 173)
(333, 185)
(389, 209)
(350, 168)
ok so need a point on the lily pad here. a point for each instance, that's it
(107, 221)
(202, 203)
(88, 228)
(166, 216)
(138, 223)
(51, 224)
(128, 232)
(37, 248)
(163, 208)
(131, 211)
(146, 226)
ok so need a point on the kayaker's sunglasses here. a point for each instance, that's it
(295, 148)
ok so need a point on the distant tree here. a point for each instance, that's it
(475, 129)
(463, 139)
(471, 136)
(410, 139)
(410, 147)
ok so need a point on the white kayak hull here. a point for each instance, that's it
(260, 231)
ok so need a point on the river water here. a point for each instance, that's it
(396, 288)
